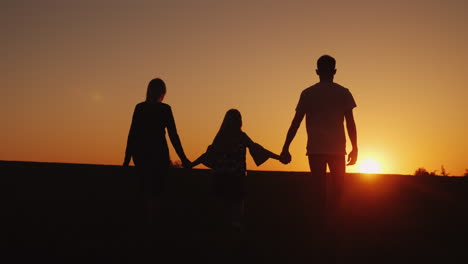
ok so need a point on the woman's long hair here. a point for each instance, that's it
(229, 135)
(156, 88)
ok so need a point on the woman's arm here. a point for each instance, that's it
(175, 140)
(130, 141)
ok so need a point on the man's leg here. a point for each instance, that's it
(337, 167)
(319, 223)
(318, 170)
(336, 183)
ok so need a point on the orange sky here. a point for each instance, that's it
(72, 72)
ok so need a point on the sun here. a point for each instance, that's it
(370, 166)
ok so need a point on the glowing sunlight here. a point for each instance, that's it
(370, 166)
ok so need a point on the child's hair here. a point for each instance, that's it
(230, 132)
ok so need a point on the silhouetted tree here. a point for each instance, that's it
(424, 172)
(443, 172)
(421, 172)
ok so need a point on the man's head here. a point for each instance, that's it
(156, 90)
(326, 67)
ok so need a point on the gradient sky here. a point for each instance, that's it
(72, 72)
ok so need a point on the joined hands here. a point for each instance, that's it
(187, 164)
(285, 157)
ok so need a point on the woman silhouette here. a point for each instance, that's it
(146, 143)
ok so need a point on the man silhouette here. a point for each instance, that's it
(326, 105)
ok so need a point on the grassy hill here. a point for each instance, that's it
(80, 213)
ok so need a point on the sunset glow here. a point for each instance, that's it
(370, 166)
(73, 71)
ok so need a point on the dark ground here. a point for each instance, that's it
(72, 213)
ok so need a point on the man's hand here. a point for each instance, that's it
(352, 157)
(285, 157)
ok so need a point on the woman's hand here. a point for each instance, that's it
(127, 160)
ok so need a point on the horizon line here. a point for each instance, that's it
(113, 165)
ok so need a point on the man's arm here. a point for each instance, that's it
(351, 127)
(296, 122)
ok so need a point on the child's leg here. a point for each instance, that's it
(236, 212)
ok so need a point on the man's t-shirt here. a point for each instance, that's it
(324, 105)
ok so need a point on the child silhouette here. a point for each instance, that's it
(226, 156)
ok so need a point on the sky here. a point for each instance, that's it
(73, 71)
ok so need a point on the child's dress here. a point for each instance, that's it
(230, 166)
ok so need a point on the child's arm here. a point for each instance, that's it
(272, 155)
(277, 157)
(259, 153)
